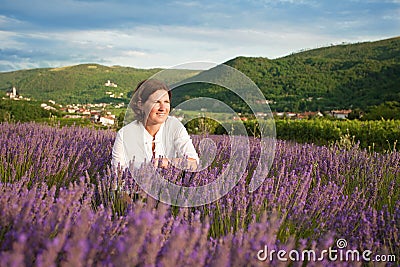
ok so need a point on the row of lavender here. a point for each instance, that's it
(58, 205)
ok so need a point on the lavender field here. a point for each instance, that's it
(59, 206)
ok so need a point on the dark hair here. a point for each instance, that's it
(143, 91)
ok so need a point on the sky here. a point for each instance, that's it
(150, 34)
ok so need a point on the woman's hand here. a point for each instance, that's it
(189, 164)
(161, 162)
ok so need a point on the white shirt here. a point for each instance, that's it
(134, 143)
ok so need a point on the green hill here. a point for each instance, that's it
(75, 84)
(342, 76)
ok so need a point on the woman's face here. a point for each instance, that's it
(157, 107)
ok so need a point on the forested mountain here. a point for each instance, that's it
(342, 76)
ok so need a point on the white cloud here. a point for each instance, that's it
(7, 40)
(134, 53)
(7, 22)
(312, 3)
(393, 15)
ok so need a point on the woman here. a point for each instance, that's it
(153, 136)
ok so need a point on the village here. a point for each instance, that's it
(105, 113)
(98, 113)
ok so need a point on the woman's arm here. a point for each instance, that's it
(118, 155)
(184, 145)
(181, 150)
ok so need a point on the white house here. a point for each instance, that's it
(341, 114)
(110, 84)
(107, 121)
